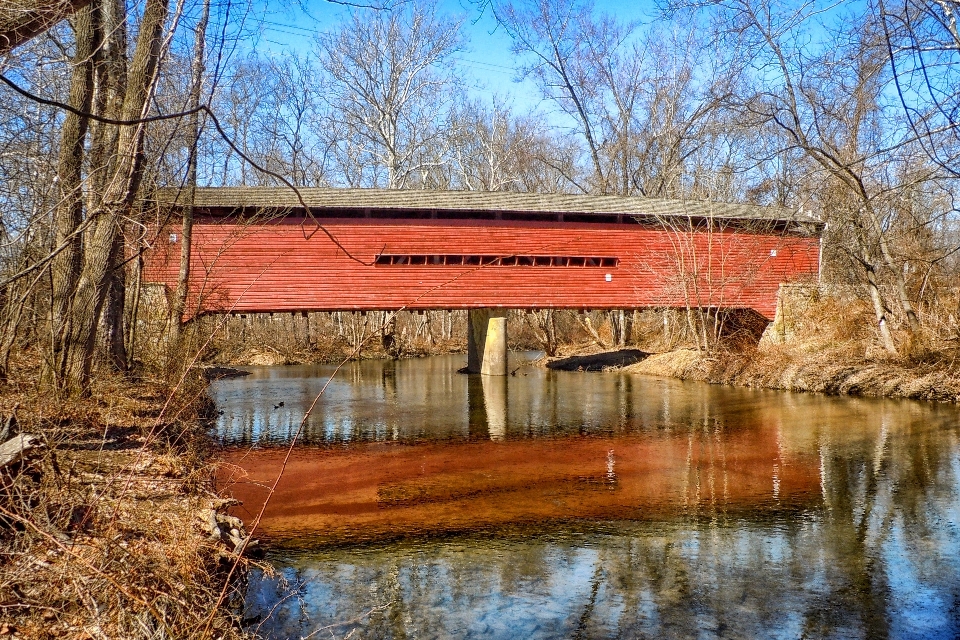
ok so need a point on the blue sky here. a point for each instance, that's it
(487, 59)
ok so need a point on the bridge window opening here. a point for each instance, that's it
(530, 216)
(467, 215)
(594, 218)
(488, 260)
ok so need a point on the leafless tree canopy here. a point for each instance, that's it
(847, 111)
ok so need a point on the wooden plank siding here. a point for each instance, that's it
(287, 265)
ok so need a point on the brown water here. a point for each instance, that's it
(426, 504)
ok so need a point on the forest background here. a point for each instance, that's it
(847, 111)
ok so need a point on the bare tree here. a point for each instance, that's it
(923, 42)
(645, 103)
(827, 98)
(115, 204)
(493, 149)
(65, 266)
(551, 35)
(194, 130)
(389, 79)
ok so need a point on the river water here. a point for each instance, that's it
(421, 503)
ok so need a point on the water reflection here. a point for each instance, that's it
(593, 505)
(487, 407)
(373, 400)
(779, 580)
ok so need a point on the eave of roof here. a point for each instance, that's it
(280, 198)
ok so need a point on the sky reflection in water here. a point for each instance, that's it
(728, 513)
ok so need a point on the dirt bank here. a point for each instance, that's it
(823, 372)
(107, 523)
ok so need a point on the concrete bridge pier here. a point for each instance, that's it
(487, 342)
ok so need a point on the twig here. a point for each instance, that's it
(119, 587)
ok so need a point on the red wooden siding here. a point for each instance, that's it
(279, 266)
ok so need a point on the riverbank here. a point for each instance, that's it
(109, 523)
(783, 368)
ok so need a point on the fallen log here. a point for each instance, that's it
(13, 449)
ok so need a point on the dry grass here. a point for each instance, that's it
(102, 530)
(830, 347)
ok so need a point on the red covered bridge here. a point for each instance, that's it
(272, 250)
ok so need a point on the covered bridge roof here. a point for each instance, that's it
(325, 202)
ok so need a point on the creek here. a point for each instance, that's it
(422, 503)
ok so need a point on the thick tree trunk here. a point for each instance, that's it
(65, 266)
(117, 200)
(110, 74)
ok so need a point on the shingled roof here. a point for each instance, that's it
(322, 199)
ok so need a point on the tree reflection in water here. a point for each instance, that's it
(856, 533)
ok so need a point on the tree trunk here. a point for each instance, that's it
(880, 310)
(551, 328)
(117, 200)
(901, 284)
(65, 266)
(14, 301)
(622, 327)
(388, 334)
(110, 75)
(112, 321)
(545, 329)
(194, 127)
(588, 326)
(134, 314)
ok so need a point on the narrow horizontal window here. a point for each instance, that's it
(499, 261)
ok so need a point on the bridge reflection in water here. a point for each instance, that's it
(497, 477)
